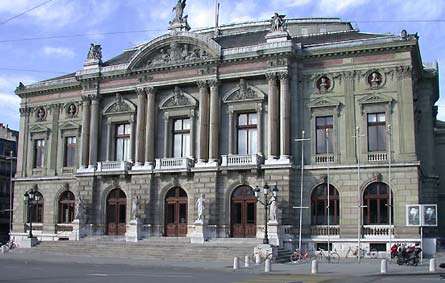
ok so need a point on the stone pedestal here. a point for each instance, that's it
(79, 230)
(133, 233)
(199, 234)
(266, 251)
(277, 36)
(273, 233)
(26, 243)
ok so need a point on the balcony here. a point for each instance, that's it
(324, 231)
(324, 158)
(239, 161)
(377, 231)
(113, 166)
(377, 157)
(174, 164)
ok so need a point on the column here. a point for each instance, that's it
(132, 140)
(284, 116)
(140, 128)
(214, 122)
(109, 141)
(94, 130)
(231, 134)
(260, 130)
(272, 141)
(166, 136)
(22, 143)
(150, 127)
(203, 148)
(85, 135)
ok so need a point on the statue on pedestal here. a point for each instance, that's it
(136, 202)
(80, 208)
(277, 23)
(179, 22)
(273, 211)
(200, 208)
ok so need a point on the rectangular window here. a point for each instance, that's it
(376, 132)
(181, 137)
(247, 133)
(70, 151)
(122, 142)
(39, 153)
(324, 131)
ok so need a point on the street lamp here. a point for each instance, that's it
(269, 195)
(31, 198)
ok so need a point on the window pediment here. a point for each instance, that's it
(69, 126)
(244, 94)
(38, 129)
(119, 106)
(324, 102)
(376, 98)
(179, 99)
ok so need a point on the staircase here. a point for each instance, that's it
(158, 249)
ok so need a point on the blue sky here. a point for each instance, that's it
(34, 60)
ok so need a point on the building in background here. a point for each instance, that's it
(8, 149)
(216, 112)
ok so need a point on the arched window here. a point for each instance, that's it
(37, 209)
(375, 200)
(66, 207)
(319, 205)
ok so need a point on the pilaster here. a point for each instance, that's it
(214, 122)
(94, 130)
(85, 134)
(150, 127)
(203, 140)
(284, 116)
(272, 137)
(140, 127)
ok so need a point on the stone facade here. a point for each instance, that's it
(288, 77)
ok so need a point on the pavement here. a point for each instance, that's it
(27, 265)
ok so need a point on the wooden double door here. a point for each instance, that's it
(243, 213)
(176, 205)
(116, 213)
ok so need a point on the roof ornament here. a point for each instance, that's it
(278, 29)
(94, 56)
(179, 22)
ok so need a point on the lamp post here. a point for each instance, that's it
(30, 197)
(269, 195)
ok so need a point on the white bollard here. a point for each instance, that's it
(247, 261)
(267, 265)
(257, 259)
(314, 267)
(384, 266)
(433, 265)
(3, 249)
(235, 263)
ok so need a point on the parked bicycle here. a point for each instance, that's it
(302, 256)
(353, 252)
(331, 256)
(10, 245)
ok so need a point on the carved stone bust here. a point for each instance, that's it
(324, 84)
(375, 79)
(71, 110)
(41, 114)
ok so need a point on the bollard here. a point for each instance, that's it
(258, 259)
(247, 261)
(267, 266)
(3, 249)
(314, 267)
(433, 265)
(384, 266)
(235, 263)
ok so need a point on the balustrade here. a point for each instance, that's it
(240, 160)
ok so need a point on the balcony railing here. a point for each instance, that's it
(376, 231)
(324, 158)
(377, 156)
(253, 160)
(167, 164)
(113, 166)
(324, 230)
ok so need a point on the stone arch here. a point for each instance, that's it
(176, 212)
(178, 99)
(252, 94)
(322, 199)
(62, 189)
(243, 212)
(227, 198)
(118, 227)
(119, 105)
(376, 202)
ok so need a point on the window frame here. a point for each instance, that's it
(380, 201)
(183, 132)
(125, 137)
(325, 127)
(70, 148)
(376, 125)
(248, 128)
(334, 209)
(68, 203)
(39, 153)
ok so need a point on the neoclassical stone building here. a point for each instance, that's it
(217, 112)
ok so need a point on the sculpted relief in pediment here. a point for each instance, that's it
(176, 53)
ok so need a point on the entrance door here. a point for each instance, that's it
(116, 212)
(176, 213)
(243, 213)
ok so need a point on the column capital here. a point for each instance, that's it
(271, 76)
(85, 98)
(140, 91)
(213, 83)
(94, 97)
(283, 75)
(202, 84)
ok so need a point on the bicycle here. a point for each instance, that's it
(331, 256)
(301, 256)
(10, 245)
(354, 252)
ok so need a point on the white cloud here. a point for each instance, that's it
(61, 52)
(290, 3)
(335, 6)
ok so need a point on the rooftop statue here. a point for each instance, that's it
(95, 52)
(278, 23)
(179, 9)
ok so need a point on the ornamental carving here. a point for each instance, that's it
(244, 92)
(119, 106)
(177, 53)
(178, 99)
(278, 23)
(40, 114)
(375, 80)
(95, 52)
(71, 110)
(324, 84)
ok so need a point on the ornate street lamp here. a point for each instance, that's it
(31, 198)
(269, 195)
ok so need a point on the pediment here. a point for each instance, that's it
(179, 49)
(246, 93)
(69, 126)
(324, 102)
(38, 129)
(376, 98)
(120, 105)
(178, 99)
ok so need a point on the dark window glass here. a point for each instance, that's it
(319, 201)
(70, 151)
(66, 207)
(236, 213)
(324, 132)
(247, 133)
(376, 200)
(250, 213)
(376, 132)
(39, 153)
(122, 142)
(122, 213)
(37, 209)
(181, 137)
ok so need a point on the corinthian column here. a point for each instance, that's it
(272, 137)
(94, 130)
(150, 127)
(203, 148)
(214, 122)
(140, 127)
(85, 135)
(284, 116)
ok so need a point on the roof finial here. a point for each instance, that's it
(179, 22)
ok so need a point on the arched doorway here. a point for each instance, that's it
(243, 213)
(116, 212)
(319, 204)
(376, 201)
(66, 207)
(176, 213)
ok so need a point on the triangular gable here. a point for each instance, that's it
(323, 102)
(120, 105)
(38, 129)
(178, 99)
(375, 98)
(69, 126)
(248, 93)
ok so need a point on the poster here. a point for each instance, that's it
(413, 215)
(429, 215)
